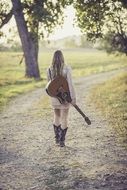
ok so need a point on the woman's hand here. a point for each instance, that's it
(73, 101)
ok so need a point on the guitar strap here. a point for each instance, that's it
(50, 74)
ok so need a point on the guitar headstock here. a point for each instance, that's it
(87, 120)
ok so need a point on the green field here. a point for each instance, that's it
(83, 62)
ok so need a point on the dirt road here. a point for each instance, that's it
(93, 157)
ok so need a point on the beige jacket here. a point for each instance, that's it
(67, 74)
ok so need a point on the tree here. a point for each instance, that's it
(33, 18)
(29, 46)
(104, 19)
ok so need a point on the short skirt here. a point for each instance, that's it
(57, 105)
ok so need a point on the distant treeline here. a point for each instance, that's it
(68, 42)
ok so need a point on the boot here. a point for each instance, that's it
(62, 134)
(56, 131)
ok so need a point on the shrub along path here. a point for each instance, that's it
(94, 157)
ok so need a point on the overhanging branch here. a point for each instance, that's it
(7, 18)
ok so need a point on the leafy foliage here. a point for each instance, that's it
(97, 18)
(89, 17)
(40, 15)
(113, 43)
(104, 19)
(5, 13)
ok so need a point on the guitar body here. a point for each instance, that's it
(58, 88)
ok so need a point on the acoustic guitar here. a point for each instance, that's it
(58, 88)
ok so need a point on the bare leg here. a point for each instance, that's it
(56, 125)
(56, 117)
(64, 118)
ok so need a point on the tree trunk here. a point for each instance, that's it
(29, 46)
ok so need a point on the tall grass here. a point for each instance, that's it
(13, 82)
(86, 62)
(111, 98)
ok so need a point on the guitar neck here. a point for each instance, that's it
(79, 110)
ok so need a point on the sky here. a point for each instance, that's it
(68, 29)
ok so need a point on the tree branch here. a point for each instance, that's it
(7, 18)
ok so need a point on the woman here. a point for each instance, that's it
(61, 111)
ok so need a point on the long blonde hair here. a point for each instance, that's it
(57, 63)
